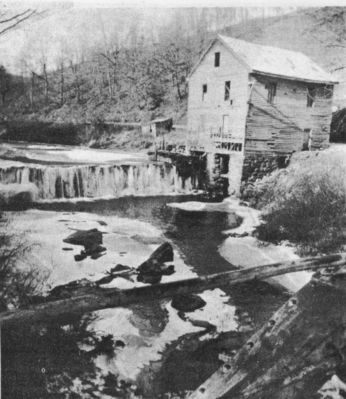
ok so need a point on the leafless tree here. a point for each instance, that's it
(10, 19)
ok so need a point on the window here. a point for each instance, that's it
(217, 59)
(271, 87)
(202, 122)
(227, 90)
(225, 124)
(204, 91)
(311, 97)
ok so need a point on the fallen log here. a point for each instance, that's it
(101, 298)
(294, 353)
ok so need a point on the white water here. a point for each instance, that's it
(98, 181)
(85, 173)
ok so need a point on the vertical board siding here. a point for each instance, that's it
(279, 127)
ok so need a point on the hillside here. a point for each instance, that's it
(319, 33)
(139, 76)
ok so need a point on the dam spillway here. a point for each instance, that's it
(100, 181)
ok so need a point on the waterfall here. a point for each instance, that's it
(100, 181)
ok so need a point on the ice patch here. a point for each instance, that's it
(248, 252)
(251, 217)
(189, 206)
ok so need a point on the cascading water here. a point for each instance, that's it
(99, 181)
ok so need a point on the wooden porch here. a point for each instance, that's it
(213, 140)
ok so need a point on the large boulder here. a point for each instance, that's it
(89, 239)
(164, 253)
(152, 270)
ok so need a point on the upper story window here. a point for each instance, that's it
(204, 91)
(217, 59)
(271, 88)
(227, 90)
(311, 96)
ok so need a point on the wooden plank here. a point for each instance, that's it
(285, 119)
(101, 298)
(293, 353)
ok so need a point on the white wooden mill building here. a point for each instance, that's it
(254, 105)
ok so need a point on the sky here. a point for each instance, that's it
(187, 3)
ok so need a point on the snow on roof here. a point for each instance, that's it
(277, 61)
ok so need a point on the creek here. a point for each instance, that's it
(138, 205)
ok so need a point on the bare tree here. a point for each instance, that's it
(5, 84)
(10, 19)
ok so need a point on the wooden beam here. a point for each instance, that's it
(294, 353)
(100, 298)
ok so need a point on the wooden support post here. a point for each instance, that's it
(294, 353)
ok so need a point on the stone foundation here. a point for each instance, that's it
(256, 166)
(217, 175)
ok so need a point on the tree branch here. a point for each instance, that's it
(17, 22)
(4, 21)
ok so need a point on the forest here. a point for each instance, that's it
(129, 66)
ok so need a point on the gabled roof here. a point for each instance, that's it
(275, 61)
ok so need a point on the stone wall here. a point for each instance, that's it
(217, 171)
(256, 166)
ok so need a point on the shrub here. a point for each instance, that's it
(305, 203)
(18, 285)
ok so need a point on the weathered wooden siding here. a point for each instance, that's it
(279, 127)
(210, 111)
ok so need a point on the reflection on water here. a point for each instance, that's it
(164, 352)
(197, 235)
(161, 350)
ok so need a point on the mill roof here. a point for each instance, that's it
(276, 61)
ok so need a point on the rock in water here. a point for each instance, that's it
(79, 257)
(90, 239)
(187, 302)
(153, 268)
(167, 270)
(164, 253)
(119, 344)
(147, 278)
(119, 268)
(104, 345)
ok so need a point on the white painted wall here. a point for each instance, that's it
(213, 107)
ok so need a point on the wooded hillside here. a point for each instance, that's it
(141, 73)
